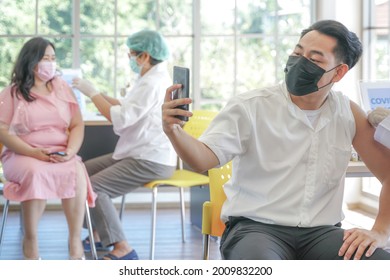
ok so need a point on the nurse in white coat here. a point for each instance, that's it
(143, 152)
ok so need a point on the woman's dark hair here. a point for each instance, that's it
(22, 77)
(349, 48)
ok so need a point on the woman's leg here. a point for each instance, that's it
(32, 211)
(74, 209)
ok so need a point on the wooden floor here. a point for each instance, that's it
(136, 223)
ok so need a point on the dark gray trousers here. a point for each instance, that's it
(245, 239)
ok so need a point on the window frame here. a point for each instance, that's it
(198, 101)
(370, 187)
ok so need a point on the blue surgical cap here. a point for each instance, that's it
(151, 42)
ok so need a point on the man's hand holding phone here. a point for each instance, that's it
(175, 110)
(171, 109)
(181, 75)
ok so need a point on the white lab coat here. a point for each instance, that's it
(137, 120)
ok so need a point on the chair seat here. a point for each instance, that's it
(181, 178)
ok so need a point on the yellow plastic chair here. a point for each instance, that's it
(182, 178)
(212, 224)
(5, 215)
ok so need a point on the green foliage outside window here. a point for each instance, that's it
(238, 45)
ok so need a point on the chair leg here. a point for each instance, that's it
(89, 225)
(206, 246)
(90, 232)
(3, 221)
(122, 207)
(183, 214)
(153, 234)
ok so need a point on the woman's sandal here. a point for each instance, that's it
(77, 259)
(35, 259)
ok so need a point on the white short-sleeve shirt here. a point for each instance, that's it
(285, 171)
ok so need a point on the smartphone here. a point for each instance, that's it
(59, 153)
(181, 75)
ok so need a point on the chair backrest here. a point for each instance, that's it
(218, 177)
(199, 121)
(197, 124)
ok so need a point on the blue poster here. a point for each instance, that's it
(379, 97)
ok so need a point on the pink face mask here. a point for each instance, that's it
(46, 70)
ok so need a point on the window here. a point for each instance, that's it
(376, 58)
(376, 38)
(246, 45)
(91, 34)
(230, 46)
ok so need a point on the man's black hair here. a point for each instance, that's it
(349, 48)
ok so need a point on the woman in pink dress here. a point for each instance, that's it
(42, 130)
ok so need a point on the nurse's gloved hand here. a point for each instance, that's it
(85, 86)
(377, 115)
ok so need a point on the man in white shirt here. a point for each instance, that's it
(290, 145)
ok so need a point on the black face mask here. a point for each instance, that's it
(302, 75)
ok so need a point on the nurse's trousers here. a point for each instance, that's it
(112, 178)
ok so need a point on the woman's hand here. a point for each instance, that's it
(40, 153)
(58, 158)
(169, 110)
(62, 156)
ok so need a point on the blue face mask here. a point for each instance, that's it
(134, 65)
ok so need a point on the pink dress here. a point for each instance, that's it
(42, 123)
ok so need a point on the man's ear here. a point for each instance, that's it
(341, 70)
